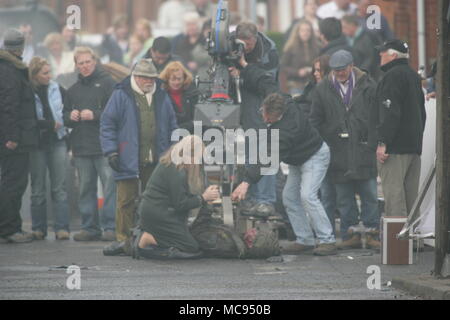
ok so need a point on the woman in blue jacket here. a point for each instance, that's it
(51, 153)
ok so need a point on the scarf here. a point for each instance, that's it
(346, 96)
(148, 96)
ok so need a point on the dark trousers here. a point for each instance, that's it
(13, 183)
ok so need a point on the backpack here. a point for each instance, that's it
(217, 240)
(261, 242)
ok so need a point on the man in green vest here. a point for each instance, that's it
(136, 130)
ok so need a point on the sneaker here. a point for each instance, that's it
(262, 210)
(20, 237)
(108, 236)
(38, 235)
(297, 248)
(353, 243)
(86, 236)
(62, 235)
(325, 249)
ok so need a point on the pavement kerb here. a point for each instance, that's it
(424, 286)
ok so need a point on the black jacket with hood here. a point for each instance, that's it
(89, 93)
(18, 120)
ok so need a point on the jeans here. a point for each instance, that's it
(265, 191)
(13, 183)
(345, 196)
(55, 160)
(89, 169)
(328, 199)
(300, 197)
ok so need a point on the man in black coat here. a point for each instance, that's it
(363, 43)
(18, 135)
(84, 105)
(308, 157)
(261, 52)
(400, 120)
(340, 111)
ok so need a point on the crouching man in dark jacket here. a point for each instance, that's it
(85, 102)
(340, 111)
(308, 157)
(18, 136)
(136, 130)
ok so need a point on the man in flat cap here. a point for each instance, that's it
(18, 135)
(340, 111)
(400, 120)
(139, 110)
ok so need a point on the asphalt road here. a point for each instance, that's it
(34, 271)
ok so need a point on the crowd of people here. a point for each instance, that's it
(347, 105)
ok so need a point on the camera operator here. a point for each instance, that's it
(262, 52)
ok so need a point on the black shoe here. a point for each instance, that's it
(115, 249)
(262, 210)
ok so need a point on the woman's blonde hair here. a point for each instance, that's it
(36, 65)
(188, 155)
(54, 37)
(174, 67)
(294, 38)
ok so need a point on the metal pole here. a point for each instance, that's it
(443, 141)
(421, 34)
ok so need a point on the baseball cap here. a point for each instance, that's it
(395, 44)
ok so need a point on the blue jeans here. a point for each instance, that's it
(328, 198)
(89, 170)
(265, 191)
(300, 197)
(345, 196)
(53, 159)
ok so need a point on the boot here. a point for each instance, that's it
(353, 243)
(373, 240)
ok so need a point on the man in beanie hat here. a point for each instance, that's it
(340, 111)
(139, 111)
(18, 135)
(400, 121)
(83, 107)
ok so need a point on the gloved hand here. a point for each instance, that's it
(114, 162)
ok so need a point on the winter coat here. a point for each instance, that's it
(340, 44)
(120, 127)
(364, 47)
(189, 99)
(91, 93)
(401, 115)
(354, 157)
(55, 101)
(304, 101)
(265, 58)
(296, 58)
(111, 48)
(18, 121)
(298, 140)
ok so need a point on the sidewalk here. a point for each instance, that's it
(424, 286)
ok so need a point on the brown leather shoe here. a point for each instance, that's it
(325, 249)
(297, 248)
(353, 243)
(62, 235)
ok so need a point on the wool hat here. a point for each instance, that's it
(13, 40)
(145, 68)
